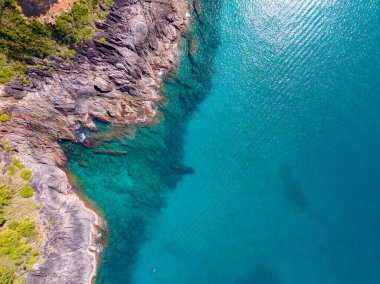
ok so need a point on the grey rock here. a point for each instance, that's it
(102, 85)
(116, 82)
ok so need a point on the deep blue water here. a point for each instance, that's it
(266, 166)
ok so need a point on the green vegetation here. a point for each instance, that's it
(70, 53)
(5, 199)
(26, 191)
(13, 245)
(20, 238)
(23, 40)
(33, 259)
(7, 270)
(5, 195)
(103, 40)
(9, 69)
(108, 3)
(12, 170)
(4, 117)
(17, 162)
(25, 228)
(6, 146)
(78, 25)
(27, 41)
(26, 174)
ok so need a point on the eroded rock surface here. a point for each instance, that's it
(118, 81)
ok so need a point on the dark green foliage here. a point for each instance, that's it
(22, 39)
(78, 25)
(9, 69)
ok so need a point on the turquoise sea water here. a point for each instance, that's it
(266, 166)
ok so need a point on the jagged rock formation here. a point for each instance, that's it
(117, 80)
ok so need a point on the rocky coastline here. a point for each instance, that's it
(116, 80)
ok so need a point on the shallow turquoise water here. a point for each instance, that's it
(284, 149)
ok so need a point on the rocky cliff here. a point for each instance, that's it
(114, 78)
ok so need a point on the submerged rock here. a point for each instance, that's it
(111, 152)
(182, 169)
(83, 163)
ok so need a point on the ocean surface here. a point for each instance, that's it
(265, 168)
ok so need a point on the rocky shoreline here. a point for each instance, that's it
(116, 80)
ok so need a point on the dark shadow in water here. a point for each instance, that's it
(293, 191)
(260, 275)
(154, 161)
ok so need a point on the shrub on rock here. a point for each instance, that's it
(6, 146)
(26, 174)
(4, 117)
(5, 195)
(17, 162)
(25, 228)
(26, 191)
